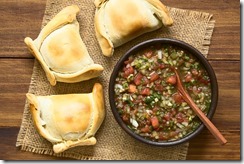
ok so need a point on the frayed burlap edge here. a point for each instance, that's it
(208, 31)
(207, 38)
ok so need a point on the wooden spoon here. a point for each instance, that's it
(198, 111)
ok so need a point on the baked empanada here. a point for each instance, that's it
(119, 21)
(61, 51)
(68, 120)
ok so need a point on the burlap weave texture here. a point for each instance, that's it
(113, 143)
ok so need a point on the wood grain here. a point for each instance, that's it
(18, 20)
(15, 77)
(225, 43)
(9, 145)
(23, 18)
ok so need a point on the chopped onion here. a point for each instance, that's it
(134, 122)
(160, 54)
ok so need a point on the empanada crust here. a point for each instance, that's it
(68, 120)
(117, 22)
(61, 51)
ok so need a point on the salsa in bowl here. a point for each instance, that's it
(143, 93)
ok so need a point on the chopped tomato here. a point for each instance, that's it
(145, 80)
(149, 54)
(179, 118)
(129, 60)
(155, 109)
(154, 76)
(155, 122)
(145, 129)
(188, 77)
(145, 91)
(159, 66)
(204, 81)
(137, 79)
(172, 79)
(125, 118)
(162, 66)
(159, 87)
(163, 136)
(148, 122)
(173, 112)
(128, 70)
(178, 98)
(167, 116)
(132, 88)
(139, 99)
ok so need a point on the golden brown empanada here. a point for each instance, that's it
(61, 51)
(119, 21)
(68, 120)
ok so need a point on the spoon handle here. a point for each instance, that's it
(215, 132)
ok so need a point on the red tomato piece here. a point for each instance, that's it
(137, 79)
(154, 76)
(128, 70)
(204, 81)
(159, 87)
(132, 88)
(145, 91)
(179, 117)
(167, 116)
(172, 79)
(188, 77)
(163, 136)
(178, 98)
(149, 54)
(125, 118)
(162, 66)
(145, 80)
(145, 129)
(155, 109)
(128, 60)
(173, 112)
(155, 122)
(158, 66)
(139, 99)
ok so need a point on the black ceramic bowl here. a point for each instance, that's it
(190, 49)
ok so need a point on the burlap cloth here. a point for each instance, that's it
(113, 143)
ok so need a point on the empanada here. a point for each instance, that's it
(119, 21)
(61, 51)
(68, 120)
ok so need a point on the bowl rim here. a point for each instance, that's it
(190, 49)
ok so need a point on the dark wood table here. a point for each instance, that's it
(23, 18)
